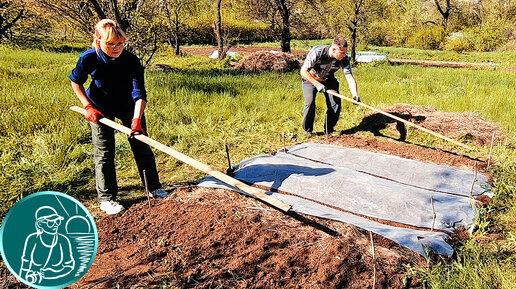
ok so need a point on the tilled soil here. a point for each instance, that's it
(214, 238)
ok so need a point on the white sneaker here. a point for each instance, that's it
(158, 194)
(111, 207)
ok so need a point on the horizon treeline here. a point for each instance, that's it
(455, 25)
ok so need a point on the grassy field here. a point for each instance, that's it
(204, 104)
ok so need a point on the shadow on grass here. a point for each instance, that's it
(377, 121)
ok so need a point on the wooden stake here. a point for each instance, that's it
(400, 119)
(326, 132)
(374, 260)
(146, 188)
(284, 143)
(433, 210)
(491, 150)
(196, 164)
(474, 180)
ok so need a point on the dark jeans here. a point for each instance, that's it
(333, 105)
(103, 138)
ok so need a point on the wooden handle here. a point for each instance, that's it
(400, 119)
(196, 164)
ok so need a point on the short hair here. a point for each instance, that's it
(108, 30)
(340, 41)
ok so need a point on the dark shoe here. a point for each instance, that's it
(158, 194)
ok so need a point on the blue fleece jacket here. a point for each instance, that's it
(116, 83)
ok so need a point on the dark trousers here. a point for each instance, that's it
(333, 105)
(103, 138)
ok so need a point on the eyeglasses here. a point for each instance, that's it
(53, 223)
(114, 45)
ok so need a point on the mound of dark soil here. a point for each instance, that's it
(268, 61)
(206, 238)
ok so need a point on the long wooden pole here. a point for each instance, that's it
(196, 164)
(400, 119)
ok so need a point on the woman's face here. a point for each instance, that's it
(113, 47)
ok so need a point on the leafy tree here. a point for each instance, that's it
(79, 13)
(278, 14)
(353, 16)
(175, 12)
(11, 12)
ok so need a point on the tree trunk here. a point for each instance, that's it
(98, 9)
(353, 28)
(353, 43)
(444, 12)
(218, 32)
(178, 51)
(177, 40)
(285, 29)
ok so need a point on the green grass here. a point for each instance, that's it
(204, 104)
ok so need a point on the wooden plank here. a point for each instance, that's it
(196, 164)
(400, 119)
(444, 64)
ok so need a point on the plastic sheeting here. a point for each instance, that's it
(427, 176)
(341, 183)
(370, 56)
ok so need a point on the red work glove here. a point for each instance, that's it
(136, 127)
(92, 114)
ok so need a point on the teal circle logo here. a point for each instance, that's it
(48, 240)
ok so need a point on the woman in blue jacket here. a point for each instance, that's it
(117, 90)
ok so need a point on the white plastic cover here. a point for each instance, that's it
(344, 184)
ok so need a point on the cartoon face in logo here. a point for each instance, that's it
(47, 220)
(48, 240)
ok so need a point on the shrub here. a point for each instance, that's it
(488, 37)
(427, 38)
(459, 43)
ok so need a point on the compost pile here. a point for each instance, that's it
(466, 127)
(268, 61)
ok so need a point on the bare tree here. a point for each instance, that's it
(353, 16)
(136, 18)
(445, 10)
(352, 24)
(277, 13)
(174, 11)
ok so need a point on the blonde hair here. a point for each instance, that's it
(108, 30)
